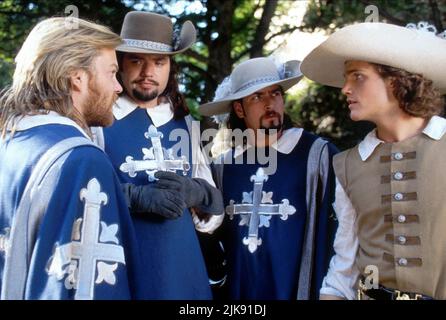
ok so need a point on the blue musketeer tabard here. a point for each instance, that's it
(264, 228)
(67, 235)
(170, 251)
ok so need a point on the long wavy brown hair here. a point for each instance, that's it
(416, 95)
(179, 104)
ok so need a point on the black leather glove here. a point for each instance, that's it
(195, 192)
(151, 199)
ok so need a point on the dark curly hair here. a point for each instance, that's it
(172, 91)
(417, 96)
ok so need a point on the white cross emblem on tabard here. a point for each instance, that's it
(84, 258)
(155, 159)
(256, 210)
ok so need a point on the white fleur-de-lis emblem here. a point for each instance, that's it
(84, 259)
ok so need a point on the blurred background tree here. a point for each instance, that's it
(230, 31)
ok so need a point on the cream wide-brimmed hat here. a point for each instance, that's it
(249, 77)
(415, 48)
(146, 32)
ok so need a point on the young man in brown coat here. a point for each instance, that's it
(390, 243)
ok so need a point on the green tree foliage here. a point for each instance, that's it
(329, 15)
(228, 32)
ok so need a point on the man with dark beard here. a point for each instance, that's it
(65, 230)
(157, 158)
(277, 231)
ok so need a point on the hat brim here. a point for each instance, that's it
(187, 38)
(407, 49)
(224, 105)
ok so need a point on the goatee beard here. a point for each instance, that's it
(268, 131)
(277, 128)
(145, 96)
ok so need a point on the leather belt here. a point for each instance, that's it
(383, 293)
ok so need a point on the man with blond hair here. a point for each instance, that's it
(65, 229)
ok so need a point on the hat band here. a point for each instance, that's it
(151, 45)
(256, 82)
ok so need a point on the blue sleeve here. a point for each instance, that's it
(85, 247)
(326, 228)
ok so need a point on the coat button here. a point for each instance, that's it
(398, 175)
(398, 156)
(402, 239)
(402, 262)
(401, 218)
(398, 196)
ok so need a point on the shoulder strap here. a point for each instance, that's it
(199, 157)
(317, 167)
(26, 218)
(339, 166)
(217, 174)
(195, 142)
(98, 136)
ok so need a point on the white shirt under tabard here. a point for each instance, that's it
(342, 274)
(285, 144)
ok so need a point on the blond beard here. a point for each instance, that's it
(98, 107)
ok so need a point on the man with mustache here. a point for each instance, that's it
(65, 229)
(276, 233)
(157, 158)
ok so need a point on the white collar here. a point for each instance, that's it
(285, 144)
(31, 121)
(160, 114)
(435, 129)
